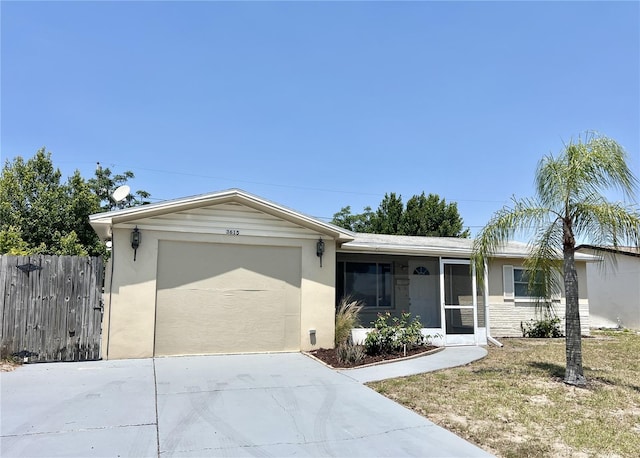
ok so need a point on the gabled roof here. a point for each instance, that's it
(103, 222)
(432, 246)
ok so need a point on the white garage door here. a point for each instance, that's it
(224, 298)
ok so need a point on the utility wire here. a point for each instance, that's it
(280, 185)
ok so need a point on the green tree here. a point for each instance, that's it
(433, 217)
(69, 244)
(82, 203)
(35, 202)
(104, 183)
(388, 217)
(359, 222)
(423, 215)
(39, 213)
(11, 242)
(570, 202)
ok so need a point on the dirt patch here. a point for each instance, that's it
(329, 357)
(540, 399)
(7, 366)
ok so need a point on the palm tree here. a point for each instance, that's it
(569, 203)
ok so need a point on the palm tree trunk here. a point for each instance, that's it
(574, 374)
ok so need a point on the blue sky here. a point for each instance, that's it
(319, 105)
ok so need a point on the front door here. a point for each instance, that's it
(423, 292)
(459, 303)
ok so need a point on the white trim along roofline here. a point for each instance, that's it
(103, 222)
(434, 246)
(348, 242)
(622, 250)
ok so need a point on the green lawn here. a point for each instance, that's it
(513, 403)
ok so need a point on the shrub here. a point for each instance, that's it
(350, 353)
(346, 319)
(545, 328)
(394, 334)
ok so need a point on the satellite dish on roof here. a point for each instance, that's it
(121, 193)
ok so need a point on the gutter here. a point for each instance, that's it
(485, 298)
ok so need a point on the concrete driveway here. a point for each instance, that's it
(241, 405)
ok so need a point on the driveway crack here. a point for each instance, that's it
(155, 387)
(292, 401)
(63, 431)
(305, 442)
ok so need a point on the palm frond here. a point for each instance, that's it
(550, 179)
(544, 266)
(596, 164)
(590, 165)
(607, 224)
(526, 215)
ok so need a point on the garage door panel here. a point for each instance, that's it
(292, 332)
(224, 324)
(232, 311)
(236, 280)
(233, 266)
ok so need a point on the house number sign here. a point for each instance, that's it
(233, 231)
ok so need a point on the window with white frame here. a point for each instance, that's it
(516, 283)
(521, 282)
(369, 282)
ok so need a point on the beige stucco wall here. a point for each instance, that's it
(614, 292)
(130, 296)
(505, 316)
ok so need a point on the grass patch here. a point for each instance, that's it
(513, 403)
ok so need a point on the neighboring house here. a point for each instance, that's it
(614, 286)
(230, 272)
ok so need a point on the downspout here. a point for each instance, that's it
(485, 298)
(112, 261)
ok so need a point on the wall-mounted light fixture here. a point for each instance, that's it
(320, 249)
(135, 241)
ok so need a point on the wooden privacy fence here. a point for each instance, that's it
(50, 307)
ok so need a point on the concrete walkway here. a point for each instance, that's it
(263, 405)
(449, 357)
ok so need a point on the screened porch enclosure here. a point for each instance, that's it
(439, 291)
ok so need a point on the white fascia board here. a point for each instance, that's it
(365, 248)
(410, 250)
(578, 256)
(102, 222)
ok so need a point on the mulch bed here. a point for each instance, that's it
(328, 356)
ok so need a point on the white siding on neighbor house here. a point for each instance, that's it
(614, 291)
(218, 219)
(507, 312)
